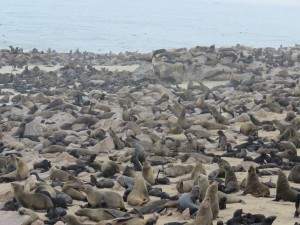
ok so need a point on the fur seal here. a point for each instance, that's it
(198, 169)
(294, 174)
(178, 170)
(102, 183)
(53, 149)
(119, 144)
(35, 201)
(188, 200)
(109, 168)
(231, 183)
(60, 175)
(131, 220)
(73, 189)
(204, 215)
(254, 186)
(99, 214)
(44, 165)
(283, 189)
(139, 193)
(212, 196)
(184, 186)
(21, 173)
(46, 189)
(153, 206)
(103, 198)
(202, 182)
(248, 128)
(148, 173)
(222, 140)
(72, 220)
(287, 148)
(32, 216)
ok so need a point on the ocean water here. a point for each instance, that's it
(144, 25)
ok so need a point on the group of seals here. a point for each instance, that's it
(137, 132)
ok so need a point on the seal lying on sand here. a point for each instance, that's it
(100, 214)
(102, 198)
(35, 201)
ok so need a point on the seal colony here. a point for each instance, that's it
(195, 136)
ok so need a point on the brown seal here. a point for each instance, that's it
(72, 220)
(99, 214)
(248, 128)
(131, 220)
(294, 175)
(198, 169)
(21, 172)
(254, 186)
(212, 196)
(139, 193)
(60, 175)
(231, 182)
(204, 215)
(72, 188)
(283, 189)
(32, 216)
(148, 173)
(103, 198)
(35, 201)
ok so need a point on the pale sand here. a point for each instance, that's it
(128, 68)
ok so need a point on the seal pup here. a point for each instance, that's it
(103, 198)
(254, 186)
(34, 201)
(148, 173)
(139, 193)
